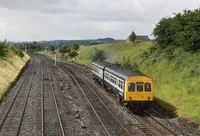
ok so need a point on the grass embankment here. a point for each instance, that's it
(176, 76)
(11, 63)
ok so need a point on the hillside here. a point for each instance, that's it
(176, 76)
(11, 63)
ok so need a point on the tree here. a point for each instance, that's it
(132, 37)
(182, 30)
(52, 48)
(73, 54)
(3, 49)
(75, 47)
(64, 49)
(97, 54)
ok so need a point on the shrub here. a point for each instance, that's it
(127, 63)
(182, 30)
(97, 54)
(3, 49)
(75, 47)
(64, 49)
(73, 54)
(17, 52)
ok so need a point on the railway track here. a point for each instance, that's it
(110, 123)
(12, 115)
(40, 85)
(48, 113)
(174, 129)
(147, 121)
(145, 129)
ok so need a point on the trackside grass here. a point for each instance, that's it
(10, 66)
(176, 77)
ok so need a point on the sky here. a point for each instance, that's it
(36, 20)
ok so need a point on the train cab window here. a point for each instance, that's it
(131, 87)
(147, 87)
(139, 86)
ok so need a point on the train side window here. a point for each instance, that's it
(147, 87)
(131, 87)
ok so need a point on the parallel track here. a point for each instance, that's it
(168, 125)
(16, 95)
(26, 101)
(162, 125)
(42, 99)
(54, 98)
(110, 123)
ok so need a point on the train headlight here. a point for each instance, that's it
(149, 97)
(130, 98)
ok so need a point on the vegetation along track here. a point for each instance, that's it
(148, 118)
(12, 111)
(110, 123)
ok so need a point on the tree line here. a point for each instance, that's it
(182, 30)
(69, 51)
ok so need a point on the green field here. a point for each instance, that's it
(12, 61)
(176, 77)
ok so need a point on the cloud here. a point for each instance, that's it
(83, 19)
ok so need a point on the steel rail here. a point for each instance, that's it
(26, 101)
(56, 104)
(160, 123)
(42, 98)
(141, 126)
(103, 124)
(18, 90)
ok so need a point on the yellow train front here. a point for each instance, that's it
(128, 85)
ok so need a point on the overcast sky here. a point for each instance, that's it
(30, 20)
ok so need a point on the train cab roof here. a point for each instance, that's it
(101, 64)
(122, 72)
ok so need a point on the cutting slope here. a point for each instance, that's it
(176, 77)
(11, 62)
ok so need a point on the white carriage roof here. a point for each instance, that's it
(101, 64)
(117, 70)
(122, 72)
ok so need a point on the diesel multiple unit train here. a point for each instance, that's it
(129, 86)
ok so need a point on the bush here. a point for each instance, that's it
(17, 52)
(127, 63)
(73, 54)
(179, 31)
(3, 49)
(97, 54)
(152, 54)
(75, 47)
(64, 49)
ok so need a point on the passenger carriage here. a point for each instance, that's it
(129, 86)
